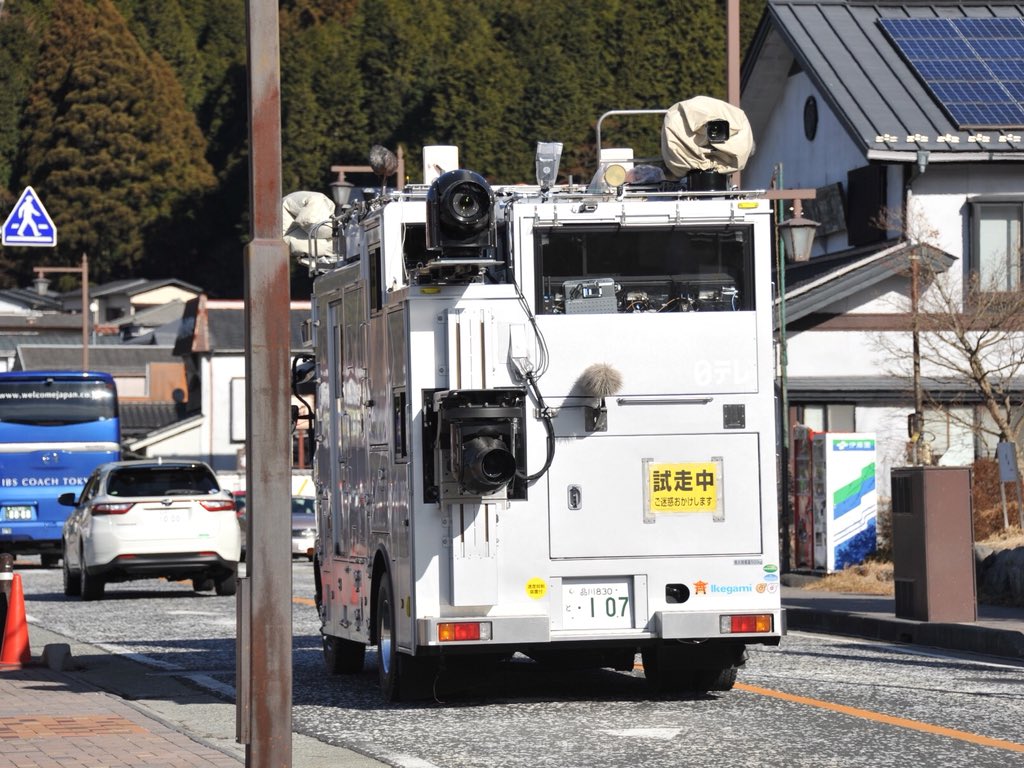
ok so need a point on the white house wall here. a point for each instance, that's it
(890, 428)
(160, 296)
(807, 164)
(218, 373)
(810, 164)
(830, 353)
(824, 160)
(186, 445)
(937, 204)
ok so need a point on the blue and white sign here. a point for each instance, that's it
(29, 223)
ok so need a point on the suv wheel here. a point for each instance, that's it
(72, 581)
(227, 585)
(91, 586)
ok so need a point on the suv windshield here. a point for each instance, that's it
(161, 481)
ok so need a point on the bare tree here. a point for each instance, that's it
(969, 336)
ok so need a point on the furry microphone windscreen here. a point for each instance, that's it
(600, 380)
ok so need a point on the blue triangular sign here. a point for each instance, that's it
(29, 223)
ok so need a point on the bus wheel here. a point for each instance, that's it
(343, 657)
(402, 677)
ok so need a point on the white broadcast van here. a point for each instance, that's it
(545, 418)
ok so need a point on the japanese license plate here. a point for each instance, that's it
(599, 603)
(693, 486)
(20, 512)
(174, 516)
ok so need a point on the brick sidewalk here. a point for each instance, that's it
(51, 720)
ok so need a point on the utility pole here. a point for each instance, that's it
(84, 272)
(917, 420)
(264, 647)
(732, 65)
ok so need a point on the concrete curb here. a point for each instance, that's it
(959, 637)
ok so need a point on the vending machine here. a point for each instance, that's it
(803, 497)
(844, 499)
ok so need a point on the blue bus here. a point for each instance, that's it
(55, 428)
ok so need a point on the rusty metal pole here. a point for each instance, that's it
(732, 66)
(265, 597)
(86, 312)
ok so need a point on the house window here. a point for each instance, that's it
(828, 418)
(996, 245)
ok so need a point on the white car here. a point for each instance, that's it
(149, 519)
(303, 526)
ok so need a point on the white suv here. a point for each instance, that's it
(147, 519)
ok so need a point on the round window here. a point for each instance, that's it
(810, 118)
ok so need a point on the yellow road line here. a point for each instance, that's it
(303, 601)
(878, 717)
(866, 714)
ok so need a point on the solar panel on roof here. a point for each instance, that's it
(973, 67)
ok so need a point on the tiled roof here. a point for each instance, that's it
(112, 358)
(814, 285)
(142, 417)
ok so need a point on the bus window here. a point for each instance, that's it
(53, 403)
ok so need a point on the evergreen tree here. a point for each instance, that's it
(109, 142)
(474, 102)
(322, 118)
(167, 27)
(109, 138)
(402, 52)
(664, 51)
(561, 57)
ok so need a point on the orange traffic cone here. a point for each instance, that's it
(15, 649)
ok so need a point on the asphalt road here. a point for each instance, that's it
(814, 701)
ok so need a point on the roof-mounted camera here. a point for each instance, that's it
(461, 226)
(460, 216)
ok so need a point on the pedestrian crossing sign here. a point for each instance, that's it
(29, 223)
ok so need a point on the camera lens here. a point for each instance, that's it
(465, 205)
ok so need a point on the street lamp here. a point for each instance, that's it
(41, 282)
(798, 234)
(341, 193)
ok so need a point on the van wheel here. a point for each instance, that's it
(402, 677)
(343, 657)
(705, 680)
(665, 670)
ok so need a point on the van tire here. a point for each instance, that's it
(343, 657)
(402, 677)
